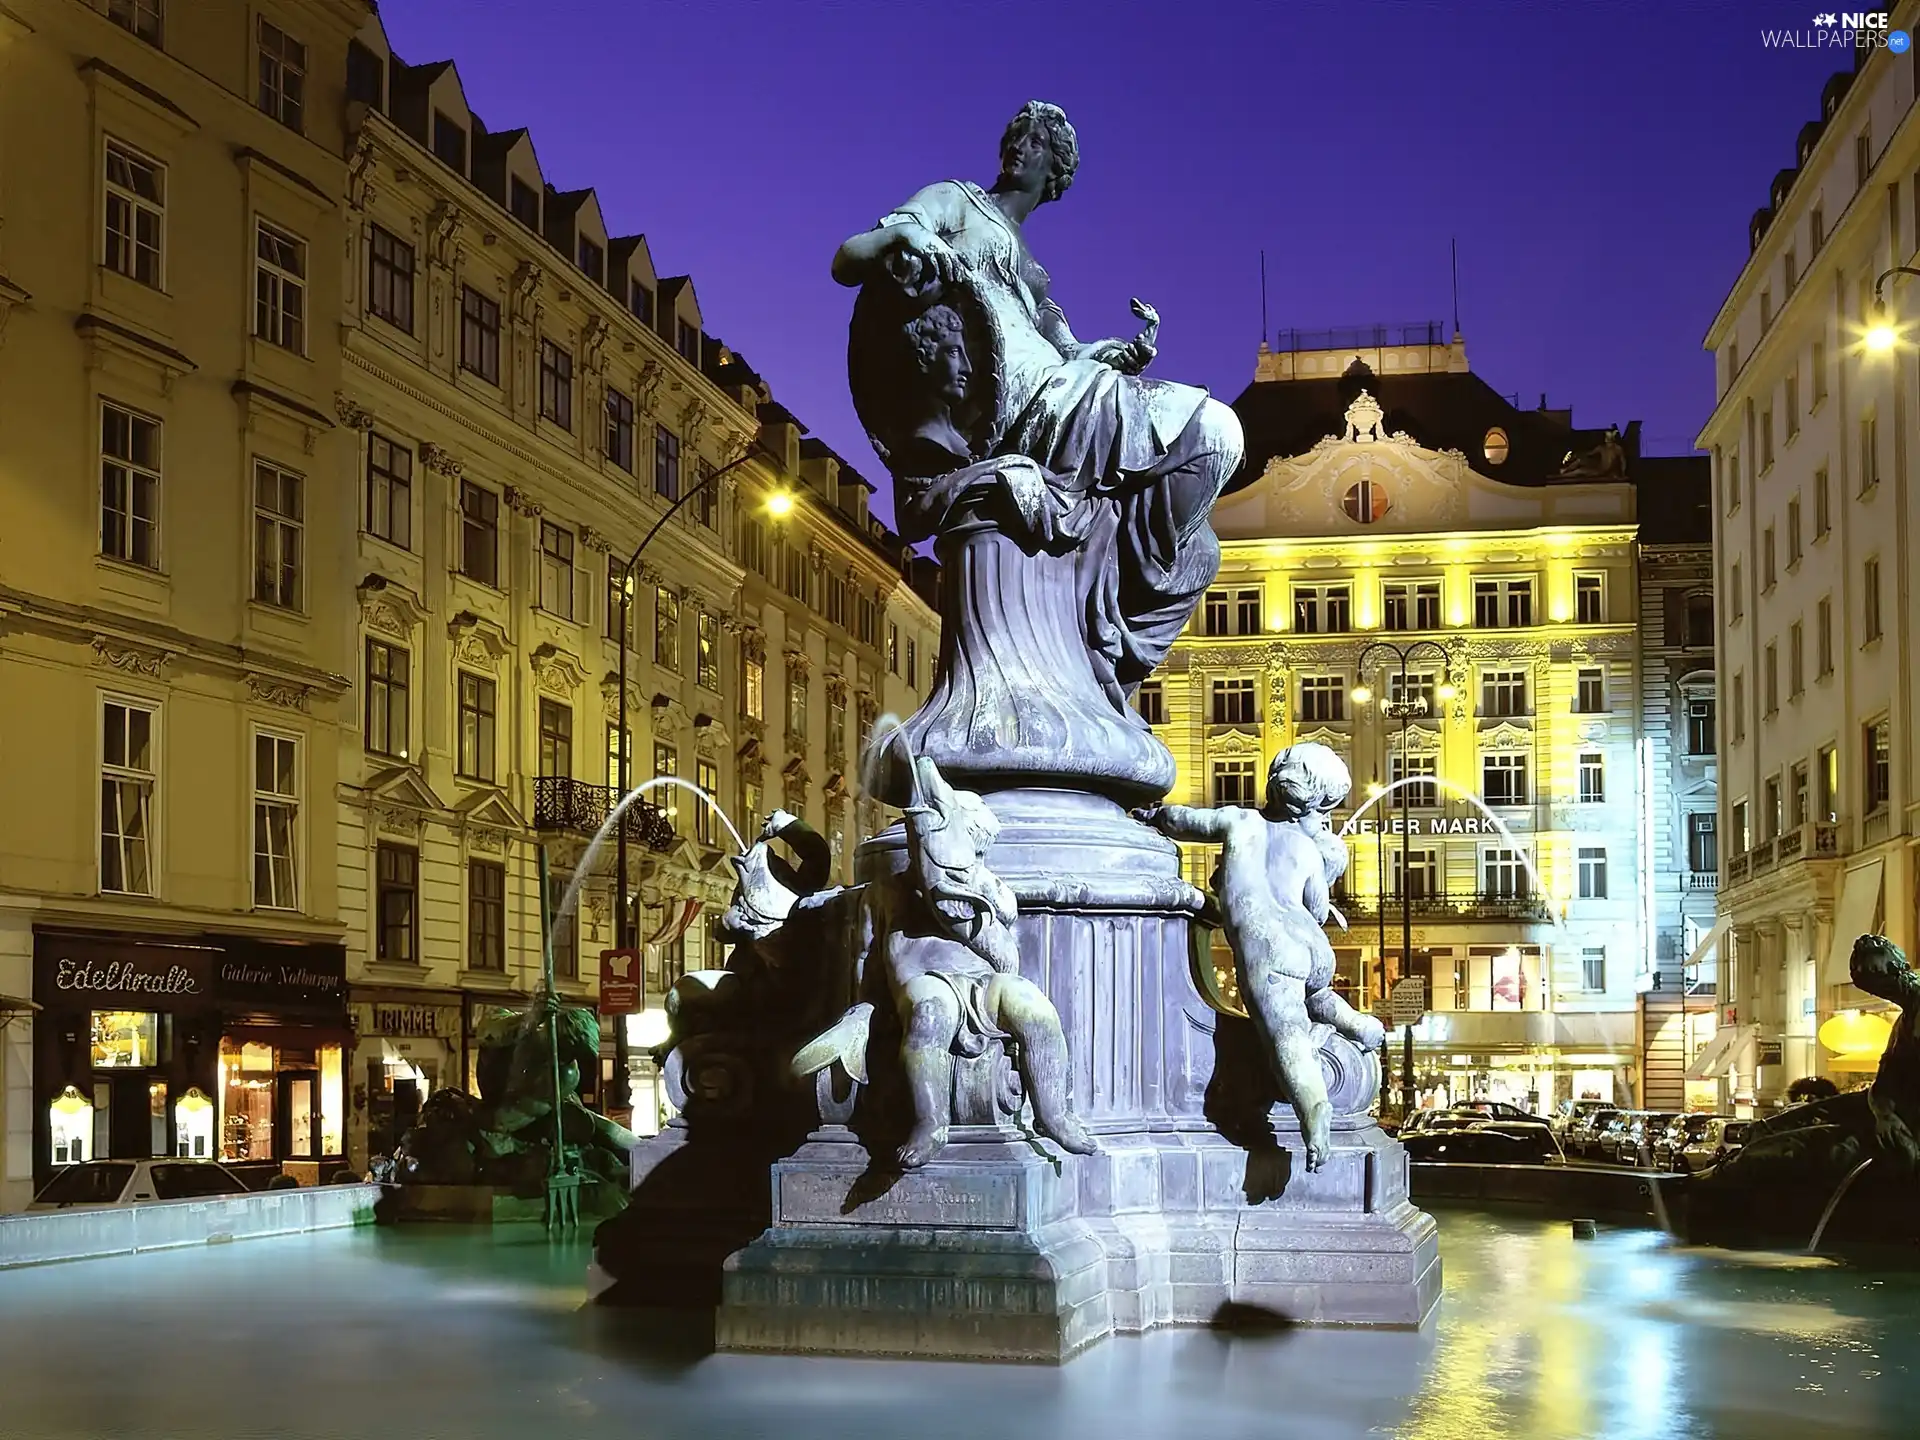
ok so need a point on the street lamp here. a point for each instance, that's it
(1882, 334)
(1404, 708)
(778, 503)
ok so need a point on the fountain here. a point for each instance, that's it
(1840, 1190)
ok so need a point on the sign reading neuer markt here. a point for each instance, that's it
(1421, 825)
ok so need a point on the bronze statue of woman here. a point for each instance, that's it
(969, 380)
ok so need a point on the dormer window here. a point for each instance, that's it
(450, 141)
(523, 202)
(1364, 502)
(640, 301)
(1494, 447)
(686, 339)
(593, 261)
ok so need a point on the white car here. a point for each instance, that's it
(93, 1184)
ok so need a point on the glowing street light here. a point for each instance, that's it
(1361, 694)
(779, 503)
(1882, 334)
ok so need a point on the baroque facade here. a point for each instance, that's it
(346, 424)
(1812, 442)
(1390, 495)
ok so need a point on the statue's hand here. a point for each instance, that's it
(923, 264)
(1126, 356)
(1148, 815)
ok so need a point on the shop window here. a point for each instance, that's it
(125, 1038)
(193, 1125)
(70, 1117)
(246, 1092)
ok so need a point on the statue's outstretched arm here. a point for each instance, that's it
(916, 228)
(1183, 822)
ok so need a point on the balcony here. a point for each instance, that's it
(1736, 869)
(1698, 880)
(1761, 857)
(1450, 905)
(577, 808)
(1789, 843)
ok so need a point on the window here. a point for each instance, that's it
(136, 214)
(706, 500)
(1770, 676)
(1234, 702)
(1869, 453)
(450, 141)
(1423, 789)
(893, 649)
(390, 279)
(1766, 440)
(1828, 774)
(1593, 968)
(277, 534)
(1233, 782)
(753, 688)
(128, 773)
(280, 288)
(566, 929)
(1822, 513)
(794, 581)
(556, 740)
(666, 463)
(1593, 778)
(556, 384)
(366, 76)
(1322, 609)
(1739, 708)
(866, 623)
(686, 339)
(1703, 847)
(1365, 502)
(1790, 272)
(640, 301)
(666, 761)
(1323, 697)
(1768, 573)
(620, 429)
(1792, 388)
(836, 729)
(1819, 372)
(666, 628)
(1766, 321)
(386, 699)
(397, 892)
(283, 74)
(913, 664)
(797, 708)
(836, 588)
(1742, 836)
(1797, 795)
(486, 915)
(1413, 690)
(556, 569)
(479, 533)
(1862, 158)
(1736, 597)
(1770, 816)
(142, 17)
(753, 546)
(617, 753)
(1414, 874)
(1246, 612)
(1870, 598)
(276, 815)
(706, 651)
(1590, 690)
(1503, 873)
(593, 261)
(1151, 701)
(129, 486)
(475, 760)
(1823, 637)
(479, 335)
(707, 776)
(1816, 227)
(1215, 613)
(389, 490)
(1793, 532)
(1498, 603)
(1877, 774)
(1503, 778)
(1411, 606)
(523, 203)
(1503, 692)
(1700, 724)
(1700, 619)
(1796, 659)
(1733, 481)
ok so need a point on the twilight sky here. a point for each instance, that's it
(1597, 162)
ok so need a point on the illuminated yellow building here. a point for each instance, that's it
(1391, 495)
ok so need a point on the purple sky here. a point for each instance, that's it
(1598, 163)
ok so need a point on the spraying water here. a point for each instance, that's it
(584, 869)
(1554, 913)
(1813, 1245)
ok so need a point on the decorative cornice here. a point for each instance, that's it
(351, 412)
(799, 665)
(389, 607)
(444, 225)
(439, 459)
(520, 502)
(557, 672)
(129, 659)
(836, 685)
(592, 539)
(362, 166)
(272, 690)
(668, 713)
(477, 642)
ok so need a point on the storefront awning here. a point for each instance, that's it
(16, 1005)
(1726, 1046)
(1708, 943)
(1855, 915)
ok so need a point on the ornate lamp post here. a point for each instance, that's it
(1404, 707)
(1883, 334)
(779, 503)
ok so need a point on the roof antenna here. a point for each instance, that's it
(1455, 242)
(1263, 297)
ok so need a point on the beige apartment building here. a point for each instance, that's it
(1393, 496)
(1812, 441)
(309, 584)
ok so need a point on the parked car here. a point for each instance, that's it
(1494, 1110)
(1479, 1145)
(1536, 1134)
(1634, 1146)
(1720, 1140)
(1569, 1113)
(1606, 1137)
(94, 1184)
(1681, 1132)
(1583, 1135)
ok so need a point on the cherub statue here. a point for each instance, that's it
(943, 931)
(1273, 887)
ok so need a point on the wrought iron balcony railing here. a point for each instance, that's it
(574, 806)
(1446, 905)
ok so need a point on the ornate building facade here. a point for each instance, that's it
(1812, 442)
(1390, 495)
(311, 561)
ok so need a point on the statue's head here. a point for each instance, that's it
(1304, 779)
(937, 340)
(1040, 135)
(761, 903)
(1875, 958)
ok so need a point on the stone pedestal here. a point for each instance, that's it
(1005, 1248)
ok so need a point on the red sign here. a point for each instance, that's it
(622, 982)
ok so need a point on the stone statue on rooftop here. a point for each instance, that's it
(1095, 483)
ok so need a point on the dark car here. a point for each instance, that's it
(1722, 1137)
(1583, 1135)
(1635, 1143)
(1680, 1132)
(1481, 1145)
(1535, 1133)
(1494, 1110)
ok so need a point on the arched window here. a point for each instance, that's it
(1365, 501)
(1494, 447)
